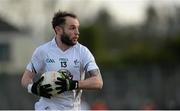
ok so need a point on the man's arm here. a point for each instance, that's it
(94, 82)
(35, 87)
(27, 78)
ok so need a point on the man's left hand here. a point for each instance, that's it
(65, 84)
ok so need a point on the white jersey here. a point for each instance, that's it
(77, 60)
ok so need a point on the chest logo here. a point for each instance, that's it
(76, 63)
(48, 60)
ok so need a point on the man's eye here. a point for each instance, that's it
(73, 28)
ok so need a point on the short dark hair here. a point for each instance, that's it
(59, 18)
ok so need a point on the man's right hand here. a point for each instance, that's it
(41, 90)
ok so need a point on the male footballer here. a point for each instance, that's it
(63, 52)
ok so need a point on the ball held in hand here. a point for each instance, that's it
(49, 78)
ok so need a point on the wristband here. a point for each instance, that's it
(29, 88)
(76, 84)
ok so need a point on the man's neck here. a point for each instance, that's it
(61, 45)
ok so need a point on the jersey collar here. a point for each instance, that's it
(53, 42)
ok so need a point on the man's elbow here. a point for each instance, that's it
(99, 85)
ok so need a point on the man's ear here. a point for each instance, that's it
(58, 29)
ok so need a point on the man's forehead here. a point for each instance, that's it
(72, 21)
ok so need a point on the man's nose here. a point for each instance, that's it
(77, 32)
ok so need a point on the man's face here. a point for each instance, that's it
(70, 33)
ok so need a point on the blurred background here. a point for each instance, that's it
(136, 44)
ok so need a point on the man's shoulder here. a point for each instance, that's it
(44, 46)
(80, 46)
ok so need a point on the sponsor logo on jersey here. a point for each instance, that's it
(48, 60)
(63, 62)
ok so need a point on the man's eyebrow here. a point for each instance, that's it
(74, 26)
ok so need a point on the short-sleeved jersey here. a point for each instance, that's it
(77, 60)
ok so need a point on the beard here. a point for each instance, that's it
(66, 39)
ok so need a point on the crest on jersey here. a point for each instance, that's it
(76, 63)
